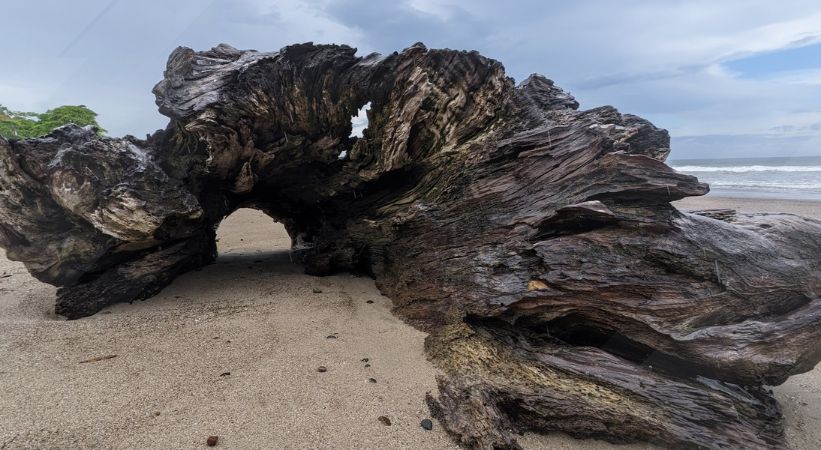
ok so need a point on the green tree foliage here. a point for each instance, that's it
(24, 125)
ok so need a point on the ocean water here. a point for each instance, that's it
(779, 177)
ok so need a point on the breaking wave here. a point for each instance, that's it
(742, 169)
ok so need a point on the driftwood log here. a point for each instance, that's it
(535, 242)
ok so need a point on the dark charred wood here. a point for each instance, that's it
(534, 241)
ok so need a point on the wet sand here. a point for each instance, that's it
(233, 350)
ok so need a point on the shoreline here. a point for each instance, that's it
(764, 195)
(802, 207)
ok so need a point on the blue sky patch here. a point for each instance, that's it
(764, 65)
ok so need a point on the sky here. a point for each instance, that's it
(726, 78)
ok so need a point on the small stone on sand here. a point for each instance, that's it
(385, 421)
(321, 369)
(97, 358)
(426, 424)
(212, 441)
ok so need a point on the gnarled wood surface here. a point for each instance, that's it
(535, 242)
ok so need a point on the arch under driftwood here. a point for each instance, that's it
(535, 242)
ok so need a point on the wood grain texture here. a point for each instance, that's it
(534, 241)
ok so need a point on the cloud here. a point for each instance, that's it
(667, 61)
(745, 145)
(657, 59)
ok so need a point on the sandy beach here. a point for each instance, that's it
(233, 350)
(805, 208)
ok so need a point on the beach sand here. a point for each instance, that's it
(233, 349)
(805, 208)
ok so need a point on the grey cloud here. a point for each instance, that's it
(743, 145)
(649, 58)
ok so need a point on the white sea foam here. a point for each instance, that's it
(741, 169)
(766, 184)
(794, 177)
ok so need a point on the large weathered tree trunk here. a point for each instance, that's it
(535, 242)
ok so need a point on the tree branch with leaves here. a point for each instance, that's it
(25, 125)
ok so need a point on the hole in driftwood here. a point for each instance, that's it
(359, 122)
(578, 330)
(250, 235)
